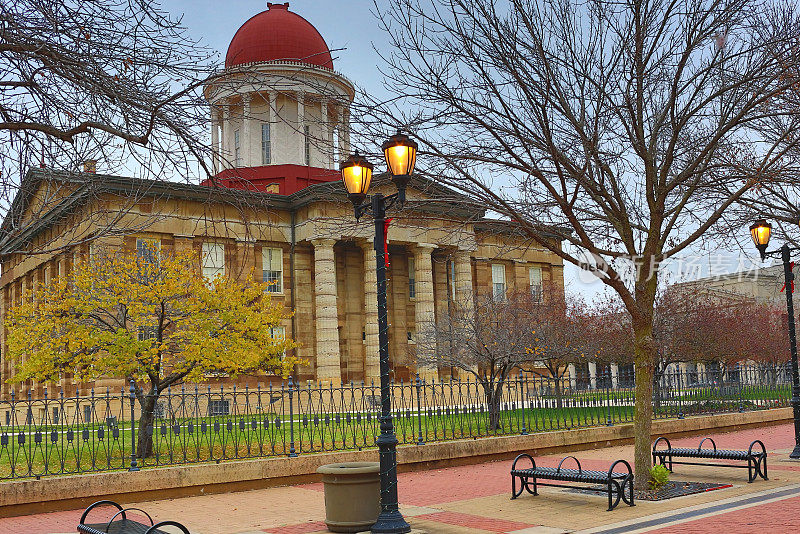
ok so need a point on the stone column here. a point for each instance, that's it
(325, 139)
(592, 375)
(423, 304)
(465, 293)
(327, 325)
(463, 282)
(215, 162)
(301, 126)
(225, 145)
(614, 375)
(371, 342)
(573, 381)
(344, 133)
(273, 119)
(247, 126)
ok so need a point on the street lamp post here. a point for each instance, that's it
(760, 232)
(400, 152)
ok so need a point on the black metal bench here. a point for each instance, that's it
(618, 485)
(756, 461)
(123, 525)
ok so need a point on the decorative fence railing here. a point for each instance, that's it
(58, 435)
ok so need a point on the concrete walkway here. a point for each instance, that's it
(475, 500)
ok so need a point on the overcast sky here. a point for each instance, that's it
(350, 28)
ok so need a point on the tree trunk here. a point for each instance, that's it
(559, 395)
(493, 397)
(144, 445)
(644, 358)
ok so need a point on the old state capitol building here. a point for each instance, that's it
(276, 207)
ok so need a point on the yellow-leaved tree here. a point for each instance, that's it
(151, 318)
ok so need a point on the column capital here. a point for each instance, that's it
(420, 247)
(323, 242)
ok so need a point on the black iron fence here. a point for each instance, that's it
(58, 435)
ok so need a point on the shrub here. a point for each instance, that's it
(659, 476)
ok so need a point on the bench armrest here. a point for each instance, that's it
(528, 456)
(100, 503)
(558, 470)
(700, 447)
(659, 440)
(763, 449)
(623, 462)
(123, 516)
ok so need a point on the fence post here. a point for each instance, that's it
(420, 441)
(680, 395)
(134, 466)
(292, 453)
(522, 398)
(609, 422)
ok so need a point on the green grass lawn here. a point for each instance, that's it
(52, 450)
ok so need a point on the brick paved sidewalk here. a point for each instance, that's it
(475, 500)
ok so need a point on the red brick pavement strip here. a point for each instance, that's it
(778, 517)
(475, 521)
(301, 528)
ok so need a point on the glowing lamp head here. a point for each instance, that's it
(356, 175)
(401, 156)
(760, 231)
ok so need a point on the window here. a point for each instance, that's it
(237, 149)
(498, 281)
(412, 279)
(147, 332)
(535, 274)
(219, 407)
(272, 269)
(148, 250)
(213, 260)
(278, 333)
(307, 141)
(410, 337)
(87, 413)
(266, 149)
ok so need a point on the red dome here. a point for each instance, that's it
(278, 34)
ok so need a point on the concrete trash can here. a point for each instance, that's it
(352, 495)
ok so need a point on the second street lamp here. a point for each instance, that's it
(761, 231)
(401, 154)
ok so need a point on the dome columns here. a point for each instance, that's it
(303, 129)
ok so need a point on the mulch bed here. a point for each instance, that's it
(670, 490)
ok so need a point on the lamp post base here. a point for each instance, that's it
(391, 523)
(795, 453)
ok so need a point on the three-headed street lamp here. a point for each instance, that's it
(401, 153)
(761, 231)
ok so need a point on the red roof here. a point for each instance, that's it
(278, 34)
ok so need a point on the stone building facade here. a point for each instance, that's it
(277, 208)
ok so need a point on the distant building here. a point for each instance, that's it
(759, 285)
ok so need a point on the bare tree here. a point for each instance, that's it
(629, 128)
(562, 336)
(111, 80)
(482, 336)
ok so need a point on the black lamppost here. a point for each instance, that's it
(761, 231)
(400, 152)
